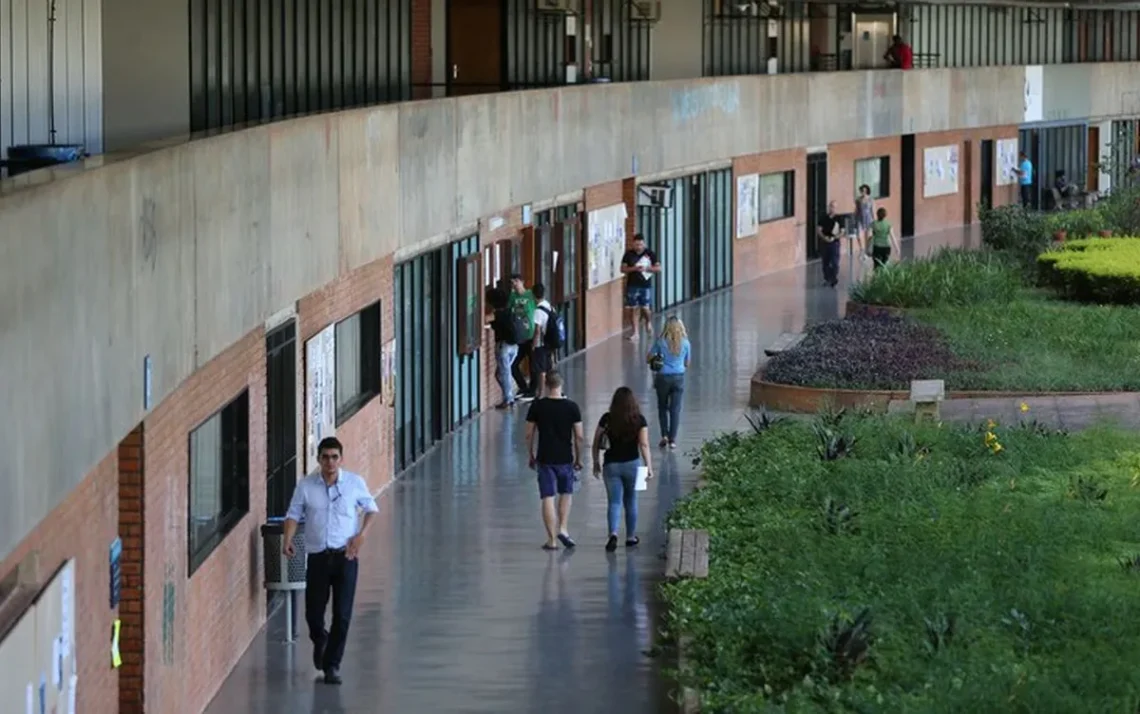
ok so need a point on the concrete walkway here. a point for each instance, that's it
(459, 610)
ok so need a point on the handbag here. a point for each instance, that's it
(656, 361)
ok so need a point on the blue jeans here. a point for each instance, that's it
(621, 477)
(505, 356)
(669, 388)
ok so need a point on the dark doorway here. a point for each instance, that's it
(986, 190)
(474, 46)
(816, 199)
(281, 417)
(906, 221)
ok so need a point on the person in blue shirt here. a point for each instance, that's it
(1024, 173)
(329, 502)
(673, 351)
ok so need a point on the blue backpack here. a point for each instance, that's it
(555, 334)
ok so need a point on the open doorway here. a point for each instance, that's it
(474, 46)
(909, 186)
(816, 199)
(986, 189)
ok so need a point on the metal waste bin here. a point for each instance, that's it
(284, 573)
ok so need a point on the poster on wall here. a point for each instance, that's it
(1034, 93)
(1006, 161)
(388, 372)
(747, 205)
(320, 392)
(940, 171)
(605, 244)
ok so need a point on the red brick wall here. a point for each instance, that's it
(604, 313)
(132, 635)
(369, 434)
(841, 186)
(82, 527)
(421, 49)
(219, 608)
(777, 244)
(952, 210)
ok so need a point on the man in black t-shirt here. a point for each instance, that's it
(557, 422)
(639, 264)
(827, 231)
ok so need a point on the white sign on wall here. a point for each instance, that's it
(320, 392)
(1034, 93)
(605, 243)
(1006, 161)
(747, 205)
(940, 171)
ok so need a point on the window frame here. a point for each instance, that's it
(789, 189)
(368, 361)
(567, 275)
(469, 321)
(233, 479)
(884, 176)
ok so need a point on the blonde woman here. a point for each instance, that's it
(670, 356)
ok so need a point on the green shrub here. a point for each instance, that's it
(1121, 211)
(949, 277)
(1101, 270)
(927, 571)
(1014, 229)
(1077, 223)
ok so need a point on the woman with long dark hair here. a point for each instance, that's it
(624, 434)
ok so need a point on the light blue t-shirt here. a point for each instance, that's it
(674, 364)
(1026, 173)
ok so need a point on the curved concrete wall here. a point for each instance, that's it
(179, 252)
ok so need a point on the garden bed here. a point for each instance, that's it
(868, 564)
(969, 320)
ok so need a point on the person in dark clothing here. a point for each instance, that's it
(827, 230)
(899, 55)
(639, 265)
(506, 345)
(555, 422)
(624, 434)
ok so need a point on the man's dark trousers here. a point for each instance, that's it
(329, 570)
(526, 349)
(829, 256)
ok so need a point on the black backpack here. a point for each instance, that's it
(555, 334)
(521, 329)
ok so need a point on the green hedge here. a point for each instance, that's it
(998, 569)
(1102, 270)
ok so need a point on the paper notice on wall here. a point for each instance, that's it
(66, 596)
(72, 684)
(56, 663)
(30, 705)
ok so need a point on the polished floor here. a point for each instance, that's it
(459, 610)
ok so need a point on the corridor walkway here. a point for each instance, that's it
(458, 609)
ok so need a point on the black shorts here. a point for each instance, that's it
(543, 360)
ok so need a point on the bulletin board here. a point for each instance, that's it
(747, 205)
(1006, 161)
(37, 657)
(320, 392)
(940, 171)
(605, 243)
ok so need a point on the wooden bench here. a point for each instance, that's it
(687, 557)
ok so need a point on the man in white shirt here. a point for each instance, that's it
(327, 501)
(542, 358)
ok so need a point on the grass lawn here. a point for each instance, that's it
(1040, 343)
(990, 582)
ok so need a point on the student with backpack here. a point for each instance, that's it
(550, 335)
(521, 305)
(506, 345)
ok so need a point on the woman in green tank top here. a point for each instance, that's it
(882, 239)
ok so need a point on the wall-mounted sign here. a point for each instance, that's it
(1034, 93)
(320, 391)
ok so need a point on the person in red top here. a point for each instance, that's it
(899, 54)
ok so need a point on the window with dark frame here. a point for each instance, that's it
(566, 271)
(469, 299)
(357, 361)
(777, 196)
(875, 172)
(219, 478)
(511, 259)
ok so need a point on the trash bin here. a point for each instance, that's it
(284, 573)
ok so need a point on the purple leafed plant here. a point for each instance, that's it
(866, 352)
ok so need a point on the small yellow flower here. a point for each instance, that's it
(990, 424)
(1024, 407)
(1013, 484)
(997, 448)
(990, 438)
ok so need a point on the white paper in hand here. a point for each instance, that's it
(642, 479)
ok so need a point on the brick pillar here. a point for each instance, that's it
(132, 640)
(421, 49)
(629, 197)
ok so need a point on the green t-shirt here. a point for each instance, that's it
(523, 303)
(881, 234)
